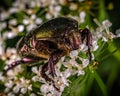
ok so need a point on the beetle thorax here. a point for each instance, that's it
(74, 41)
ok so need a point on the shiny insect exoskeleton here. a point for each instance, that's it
(50, 41)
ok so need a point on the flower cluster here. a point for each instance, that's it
(23, 16)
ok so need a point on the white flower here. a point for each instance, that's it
(82, 16)
(20, 28)
(118, 32)
(33, 94)
(30, 87)
(35, 70)
(2, 78)
(38, 21)
(48, 16)
(73, 53)
(10, 94)
(9, 35)
(30, 27)
(33, 16)
(23, 90)
(2, 25)
(25, 21)
(13, 10)
(35, 78)
(9, 84)
(80, 72)
(95, 45)
(73, 6)
(85, 62)
(44, 88)
(13, 22)
(16, 88)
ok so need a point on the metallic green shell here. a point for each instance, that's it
(53, 28)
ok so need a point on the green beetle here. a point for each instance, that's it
(50, 41)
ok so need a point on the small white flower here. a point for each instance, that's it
(33, 17)
(73, 53)
(57, 8)
(35, 78)
(81, 72)
(35, 70)
(7, 90)
(30, 27)
(33, 94)
(9, 35)
(9, 84)
(4, 15)
(38, 21)
(10, 94)
(85, 62)
(2, 78)
(25, 21)
(20, 28)
(118, 32)
(95, 45)
(107, 23)
(66, 73)
(64, 78)
(48, 16)
(44, 88)
(73, 6)
(13, 10)
(83, 47)
(82, 16)
(23, 90)
(30, 87)
(104, 39)
(13, 22)
(2, 25)
(16, 89)
(50, 94)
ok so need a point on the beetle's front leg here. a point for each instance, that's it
(22, 61)
(87, 34)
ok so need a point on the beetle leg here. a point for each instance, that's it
(44, 69)
(52, 61)
(22, 61)
(87, 34)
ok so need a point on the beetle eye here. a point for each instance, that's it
(24, 48)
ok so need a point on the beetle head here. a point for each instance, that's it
(22, 48)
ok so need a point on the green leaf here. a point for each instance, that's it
(62, 68)
(78, 61)
(82, 55)
(101, 84)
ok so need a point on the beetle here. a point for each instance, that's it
(50, 41)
